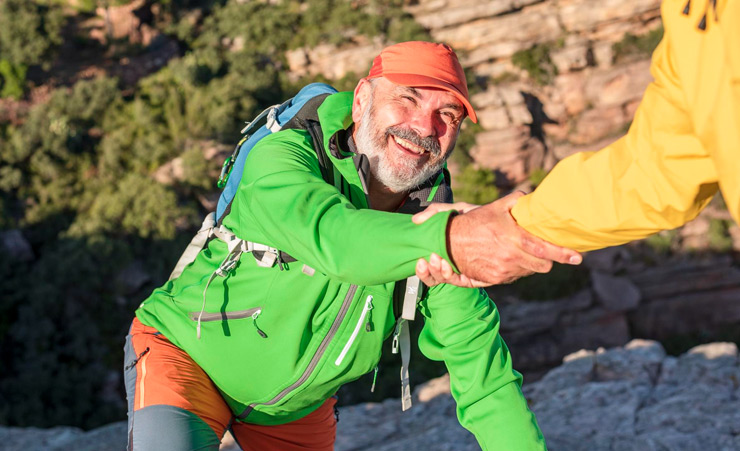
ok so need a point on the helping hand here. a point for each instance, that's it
(489, 248)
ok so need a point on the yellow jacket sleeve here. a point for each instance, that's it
(657, 177)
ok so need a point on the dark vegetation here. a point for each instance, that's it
(76, 174)
(537, 63)
(637, 46)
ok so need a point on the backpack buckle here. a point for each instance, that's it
(225, 172)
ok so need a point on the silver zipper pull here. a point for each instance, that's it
(254, 322)
(396, 335)
(369, 324)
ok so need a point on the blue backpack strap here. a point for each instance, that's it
(302, 107)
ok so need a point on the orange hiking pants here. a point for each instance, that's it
(174, 405)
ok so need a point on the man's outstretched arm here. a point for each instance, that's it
(488, 247)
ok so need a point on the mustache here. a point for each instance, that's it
(430, 144)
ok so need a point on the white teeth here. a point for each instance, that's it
(407, 145)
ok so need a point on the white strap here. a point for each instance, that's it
(227, 236)
(405, 357)
(269, 254)
(411, 298)
(272, 124)
(195, 246)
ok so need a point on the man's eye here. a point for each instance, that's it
(409, 99)
(450, 117)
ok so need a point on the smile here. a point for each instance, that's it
(413, 148)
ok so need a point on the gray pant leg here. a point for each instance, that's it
(163, 427)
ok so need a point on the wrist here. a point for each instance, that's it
(454, 217)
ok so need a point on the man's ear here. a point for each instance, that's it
(363, 91)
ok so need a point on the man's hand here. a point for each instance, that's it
(433, 209)
(438, 270)
(489, 248)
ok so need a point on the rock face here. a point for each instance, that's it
(625, 300)
(633, 398)
(16, 245)
(630, 398)
(588, 102)
(637, 398)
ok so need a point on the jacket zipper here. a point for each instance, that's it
(367, 308)
(316, 357)
(239, 314)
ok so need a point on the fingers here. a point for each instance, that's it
(438, 271)
(435, 208)
(509, 201)
(542, 249)
(422, 271)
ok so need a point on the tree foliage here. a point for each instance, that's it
(78, 179)
(29, 32)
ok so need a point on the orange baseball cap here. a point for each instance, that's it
(423, 65)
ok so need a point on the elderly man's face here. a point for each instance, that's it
(406, 133)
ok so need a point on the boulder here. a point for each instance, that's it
(617, 294)
(573, 56)
(582, 15)
(608, 260)
(618, 85)
(436, 14)
(14, 244)
(501, 36)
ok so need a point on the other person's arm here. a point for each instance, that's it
(657, 177)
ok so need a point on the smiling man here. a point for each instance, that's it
(262, 349)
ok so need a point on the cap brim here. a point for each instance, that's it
(422, 81)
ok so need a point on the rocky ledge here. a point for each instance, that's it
(628, 398)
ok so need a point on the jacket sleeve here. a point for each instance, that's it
(283, 201)
(657, 177)
(462, 329)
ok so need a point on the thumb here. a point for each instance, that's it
(430, 211)
(511, 200)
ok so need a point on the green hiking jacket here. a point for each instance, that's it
(278, 343)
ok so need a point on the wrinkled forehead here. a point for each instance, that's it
(441, 98)
(437, 95)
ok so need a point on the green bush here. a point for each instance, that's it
(719, 235)
(475, 185)
(537, 176)
(561, 281)
(537, 63)
(663, 243)
(29, 33)
(632, 46)
(12, 79)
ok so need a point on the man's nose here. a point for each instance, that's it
(424, 125)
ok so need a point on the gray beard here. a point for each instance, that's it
(372, 143)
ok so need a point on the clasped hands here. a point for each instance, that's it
(488, 247)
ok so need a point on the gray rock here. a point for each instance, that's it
(28, 439)
(632, 398)
(16, 245)
(608, 260)
(617, 294)
(132, 278)
(651, 402)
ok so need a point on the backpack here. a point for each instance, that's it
(297, 112)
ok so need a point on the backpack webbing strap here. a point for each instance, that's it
(196, 245)
(413, 292)
(402, 341)
(317, 136)
(307, 118)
